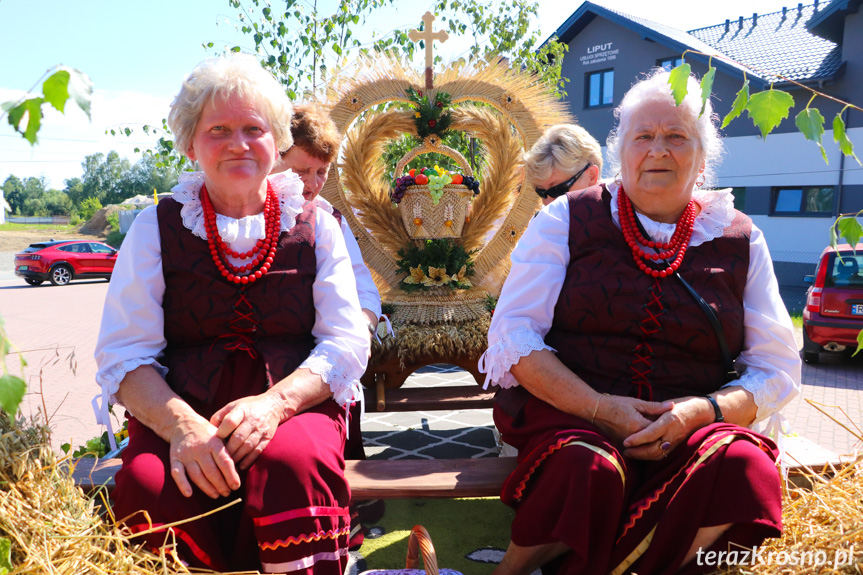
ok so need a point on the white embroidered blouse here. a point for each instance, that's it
(771, 368)
(132, 333)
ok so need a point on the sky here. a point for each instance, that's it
(137, 53)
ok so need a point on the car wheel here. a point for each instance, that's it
(34, 282)
(811, 350)
(61, 275)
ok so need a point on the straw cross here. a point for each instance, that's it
(428, 35)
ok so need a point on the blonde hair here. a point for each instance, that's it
(315, 132)
(564, 147)
(239, 75)
(655, 88)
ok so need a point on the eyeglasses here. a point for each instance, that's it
(562, 188)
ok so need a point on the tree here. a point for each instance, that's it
(103, 176)
(13, 191)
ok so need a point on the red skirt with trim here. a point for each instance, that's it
(621, 515)
(293, 517)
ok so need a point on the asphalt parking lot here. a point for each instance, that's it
(55, 328)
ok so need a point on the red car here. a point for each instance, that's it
(833, 314)
(62, 261)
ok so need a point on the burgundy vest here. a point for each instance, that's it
(626, 333)
(207, 317)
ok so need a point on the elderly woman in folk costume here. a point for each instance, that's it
(565, 158)
(232, 334)
(613, 341)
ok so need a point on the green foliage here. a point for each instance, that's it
(841, 137)
(768, 108)
(490, 302)
(437, 263)
(12, 387)
(430, 117)
(706, 88)
(88, 207)
(848, 228)
(677, 79)
(57, 89)
(388, 309)
(98, 446)
(115, 239)
(810, 122)
(739, 104)
(5, 556)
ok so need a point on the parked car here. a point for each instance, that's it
(833, 314)
(63, 261)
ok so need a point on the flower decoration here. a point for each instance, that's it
(417, 276)
(436, 263)
(430, 115)
(512, 233)
(507, 100)
(355, 102)
(461, 278)
(432, 141)
(437, 277)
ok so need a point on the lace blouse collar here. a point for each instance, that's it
(288, 187)
(717, 213)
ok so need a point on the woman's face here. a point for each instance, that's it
(585, 180)
(660, 158)
(234, 145)
(313, 171)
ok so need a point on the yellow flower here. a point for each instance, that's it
(436, 277)
(417, 114)
(417, 276)
(461, 277)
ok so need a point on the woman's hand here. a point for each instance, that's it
(198, 454)
(619, 417)
(248, 425)
(671, 429)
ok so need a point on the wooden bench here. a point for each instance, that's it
(371, 478)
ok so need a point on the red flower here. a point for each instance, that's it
(420, 93)
(432, 123)
(439, 104)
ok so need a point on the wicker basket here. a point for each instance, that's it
(424, 220)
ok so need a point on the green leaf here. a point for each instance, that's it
(768, 108)
(839, 136)
(81, 89)
(12, 390)
(850, 229)
(811, 123)
(859, 343)
(5, 555)
(739, 104)
(677, 79)
(706, 88)
(33, 107)
(56, 89)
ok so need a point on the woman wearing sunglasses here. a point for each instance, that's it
(564, 158)
(617, 339)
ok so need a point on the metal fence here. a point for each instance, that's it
(54, 220)
(126, 219)
(790, 268)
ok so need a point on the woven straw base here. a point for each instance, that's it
(425, 220)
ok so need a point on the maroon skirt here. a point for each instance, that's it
(621, 515)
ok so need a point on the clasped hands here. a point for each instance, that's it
(647, 429)
(208, 452)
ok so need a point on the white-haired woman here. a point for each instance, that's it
(614, 338)
(565, 158)
(231, 334)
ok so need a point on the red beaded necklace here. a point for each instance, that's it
(261, 254)
(675, 248)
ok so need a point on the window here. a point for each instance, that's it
(669, 63)
(75, 248)
(739, 198)
(804, 200)
(100, 249)
(599, 89)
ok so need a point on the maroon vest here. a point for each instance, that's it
(626, 333)
(207, 318)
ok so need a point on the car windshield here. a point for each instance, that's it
(33, 248)
(845, 272)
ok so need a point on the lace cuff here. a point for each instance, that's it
(507, 351)
(766, 395)
(111, 377)
(344, 388)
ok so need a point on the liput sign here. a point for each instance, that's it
(599, 53)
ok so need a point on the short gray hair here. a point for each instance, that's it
(653, 88)
(564, 147)
(238, 75)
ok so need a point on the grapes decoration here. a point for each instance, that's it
(435, 179)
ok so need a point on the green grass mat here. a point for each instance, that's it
(457, 527)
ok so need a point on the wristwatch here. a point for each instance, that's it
(716, 410)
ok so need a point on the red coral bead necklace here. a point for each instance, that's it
(261, 255)
(674, 248)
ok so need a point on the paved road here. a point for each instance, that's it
(56, 328)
